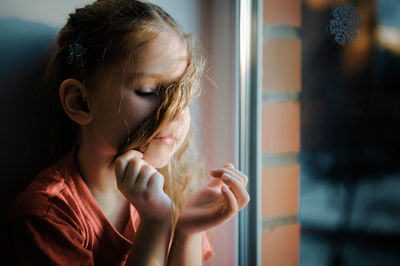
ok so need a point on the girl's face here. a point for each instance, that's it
(117, 115)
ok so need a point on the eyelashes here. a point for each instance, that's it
(145, 94)
(153, 92)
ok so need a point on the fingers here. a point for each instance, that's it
(142, 185)
(143, 178)
(122, 161)
(239, 191)
(156, 181)
(231, 206)
(131, 172)
(232, 172)
(215, 183)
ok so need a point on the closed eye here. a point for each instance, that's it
(145, 94)
(151, 91)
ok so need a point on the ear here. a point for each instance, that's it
(73, 96)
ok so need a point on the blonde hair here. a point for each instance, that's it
(115, 30)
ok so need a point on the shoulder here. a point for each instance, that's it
(49, 195)
(39, 195)
(46, 240)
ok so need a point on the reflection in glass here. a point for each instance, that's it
(350, 128)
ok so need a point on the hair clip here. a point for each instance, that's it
(77, 50)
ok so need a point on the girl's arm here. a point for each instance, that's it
(142, 185)
(150, 244)
(45, 240)
(185, 250)
(214, 204)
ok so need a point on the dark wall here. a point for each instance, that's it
(23, 49)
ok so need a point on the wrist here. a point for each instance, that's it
(185, 249)
(156, 224)
(185, 235)
(157, 221)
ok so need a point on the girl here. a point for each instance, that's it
(127, 188)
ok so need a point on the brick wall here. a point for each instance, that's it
(281, 132)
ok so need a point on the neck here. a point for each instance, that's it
(93, 160)
(95, 169)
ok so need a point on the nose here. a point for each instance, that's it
(181, 117)
(174, 127)
(183, 113)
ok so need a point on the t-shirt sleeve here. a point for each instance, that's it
(37, 240)
(206, 247)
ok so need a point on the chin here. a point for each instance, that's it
(158, 155)
(156, 163)
(156, 160)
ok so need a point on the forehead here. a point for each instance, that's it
(165, 57)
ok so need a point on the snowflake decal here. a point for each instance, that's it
(344, 24)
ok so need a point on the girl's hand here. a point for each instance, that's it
(142, 185)
(215, 203)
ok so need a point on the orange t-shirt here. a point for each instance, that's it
(56, 220)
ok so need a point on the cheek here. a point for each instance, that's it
(183, 129)
(134, 111)
(158, 155)
(118, 117)
(139, 105)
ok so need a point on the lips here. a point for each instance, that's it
(166, 136)
(166, 139)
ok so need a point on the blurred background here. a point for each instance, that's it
(329, 120)
(331, 113)
(350, 146)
